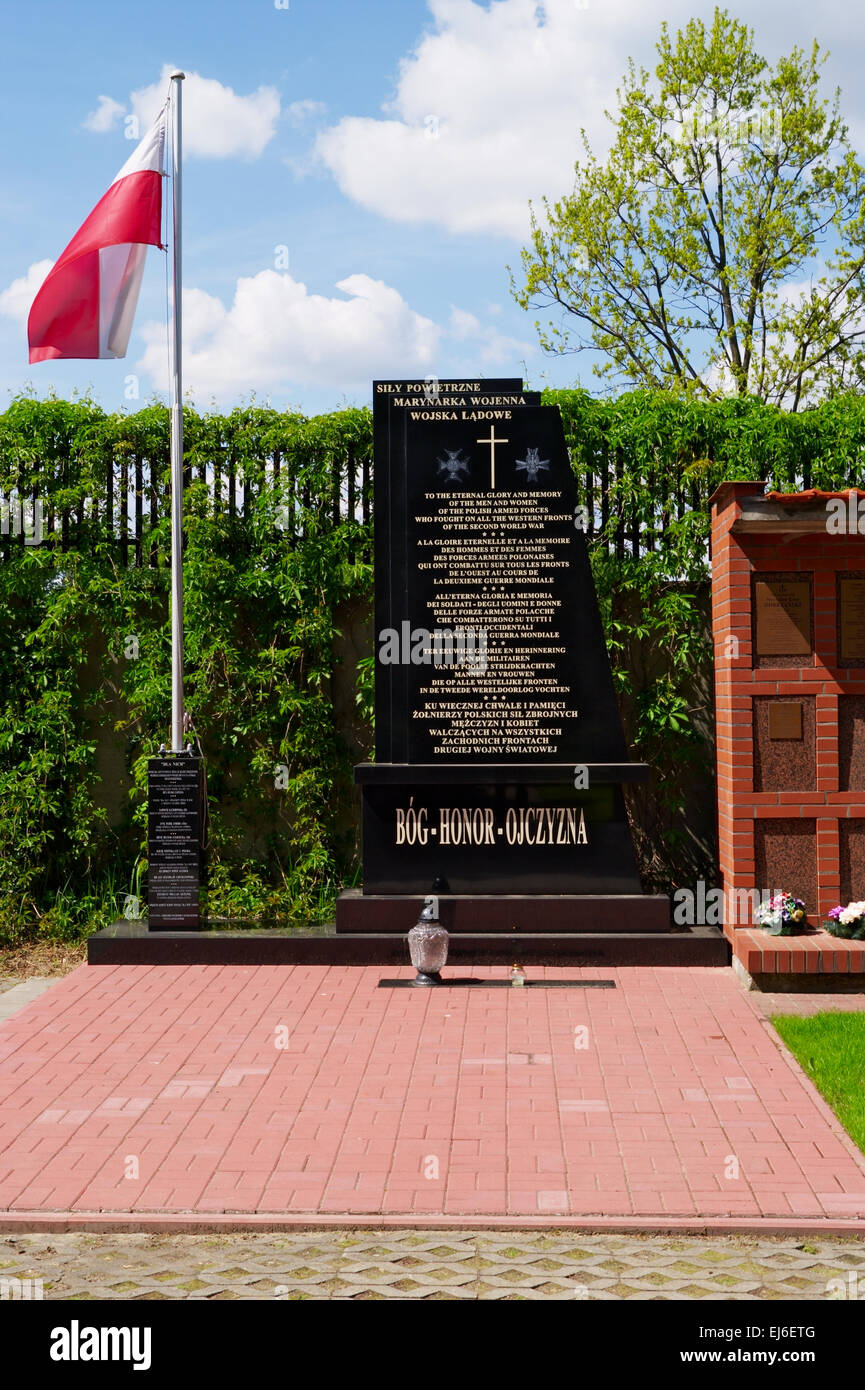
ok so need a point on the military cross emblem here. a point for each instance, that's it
(453, 465)
(532, 464)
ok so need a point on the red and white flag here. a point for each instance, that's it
(88, 299)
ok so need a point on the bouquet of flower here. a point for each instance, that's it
(782, 915)
(848, 922)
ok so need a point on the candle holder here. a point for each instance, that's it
(428, 944)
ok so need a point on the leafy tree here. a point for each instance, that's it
(721, 246)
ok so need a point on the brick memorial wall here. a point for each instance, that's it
(788, 611)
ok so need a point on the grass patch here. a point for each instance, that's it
(830, 1047)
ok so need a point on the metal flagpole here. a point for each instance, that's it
(175, 784)
(177, 710)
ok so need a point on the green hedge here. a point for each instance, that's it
(262, 597)
(87, 640)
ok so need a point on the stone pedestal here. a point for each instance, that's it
(539, 914)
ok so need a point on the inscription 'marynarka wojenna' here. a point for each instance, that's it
(499, 750)
(174, 843)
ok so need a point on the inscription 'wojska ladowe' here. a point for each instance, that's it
(478, 825)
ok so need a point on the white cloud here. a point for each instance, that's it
(217, 122)
(489, 104)
(463, 324)
(487, 114)
(793, 293)
(105, 117)
(277, 336)
(718, 377)
(301, 110)
(488, 346)
(16, 299)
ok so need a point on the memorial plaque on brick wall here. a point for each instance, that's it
(785, 719)
(174, 843)
(851, 619)
(782, 609)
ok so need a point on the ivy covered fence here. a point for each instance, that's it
(277, 567)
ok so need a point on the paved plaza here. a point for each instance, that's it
(171, 1097)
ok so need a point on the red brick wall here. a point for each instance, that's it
(736, 557)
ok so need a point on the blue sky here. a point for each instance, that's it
(391, 148)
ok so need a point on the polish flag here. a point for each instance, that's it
(88, 299)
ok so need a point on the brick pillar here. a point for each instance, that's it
(731, 629)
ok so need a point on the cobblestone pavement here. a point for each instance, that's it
(448, 1264)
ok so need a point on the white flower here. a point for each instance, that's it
(770, 918)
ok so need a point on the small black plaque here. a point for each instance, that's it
(174, 843)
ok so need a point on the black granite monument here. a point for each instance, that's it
(499, 755)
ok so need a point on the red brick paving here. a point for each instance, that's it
(456, 1103)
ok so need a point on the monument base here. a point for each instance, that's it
(504, 913)
(497, 828)
(130, 943)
